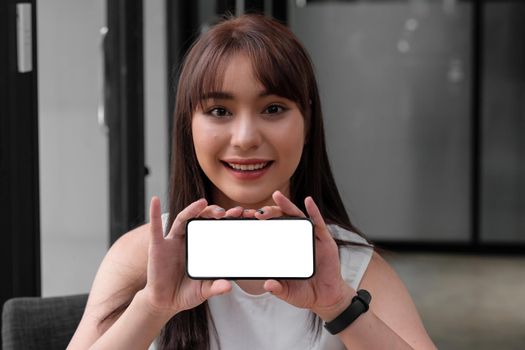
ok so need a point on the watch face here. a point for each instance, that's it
(364, 296)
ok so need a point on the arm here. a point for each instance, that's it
(121, 274)
(391, 322)
(154, 265)
(117, 280)
(136, 328)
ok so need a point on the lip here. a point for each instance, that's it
(248, 175)
(246, 161)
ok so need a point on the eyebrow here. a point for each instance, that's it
(224, 95)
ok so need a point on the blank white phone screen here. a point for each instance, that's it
(281, 248)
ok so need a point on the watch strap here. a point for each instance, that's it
(359, 305)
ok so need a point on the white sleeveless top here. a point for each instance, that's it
(244, 321)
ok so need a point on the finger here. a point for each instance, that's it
(212, 211)
(156, 231)
(318, 221)
(286, 205)
(276, 288)
(248, 213)
(235, 212)
(187, 213)
(268, 212)
(217, 287)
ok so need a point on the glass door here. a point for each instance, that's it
(395, 86)
(73, 145)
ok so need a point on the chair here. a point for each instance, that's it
(41, 323)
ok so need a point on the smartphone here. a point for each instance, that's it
(240, 248)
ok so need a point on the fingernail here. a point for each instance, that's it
(219, 209)
(260, 211)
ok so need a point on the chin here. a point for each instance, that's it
(249, 197)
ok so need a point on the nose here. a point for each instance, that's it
(245, 134)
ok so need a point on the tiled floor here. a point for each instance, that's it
(467, 302)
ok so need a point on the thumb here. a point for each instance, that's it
(277, 288)
(216, 287)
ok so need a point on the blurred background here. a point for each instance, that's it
(424, 106)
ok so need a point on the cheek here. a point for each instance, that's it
(205, 147)
(289, 143)
(208, 141)
(291, 139)
(291, 146)
(203, 140)
(295, 150)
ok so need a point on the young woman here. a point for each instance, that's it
(248, 142)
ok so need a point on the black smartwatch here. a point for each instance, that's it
(358, 306)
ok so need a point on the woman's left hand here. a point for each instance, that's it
(326, 293)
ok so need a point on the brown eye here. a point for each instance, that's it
(274, 109)
(218, 112)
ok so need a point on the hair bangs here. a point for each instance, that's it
(272, 72)
(209, 75)
(270, 61)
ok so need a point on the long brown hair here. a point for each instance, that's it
(283, 67)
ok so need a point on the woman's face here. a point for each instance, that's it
(247, 141)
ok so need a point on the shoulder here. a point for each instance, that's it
(377, 276)
(120, 275)
(123, 267)
(387, 287)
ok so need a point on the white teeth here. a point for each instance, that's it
(247, 167)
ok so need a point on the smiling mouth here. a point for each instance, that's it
(246, 168)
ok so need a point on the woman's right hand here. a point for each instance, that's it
(168, 289)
